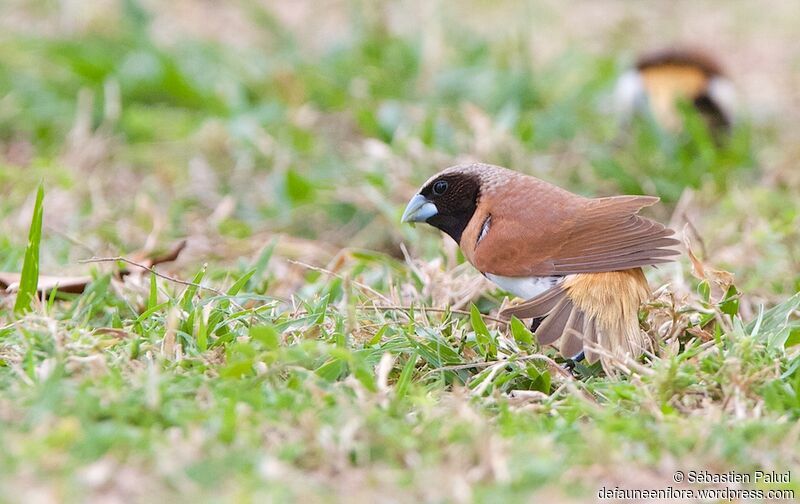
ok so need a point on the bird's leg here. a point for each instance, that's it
(570, 364)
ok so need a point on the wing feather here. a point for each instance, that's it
(582, 236)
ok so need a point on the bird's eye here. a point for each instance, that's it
(440, 187)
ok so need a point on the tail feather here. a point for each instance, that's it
(591, 340)
(572, 339)
(553, 326)
(537, 307)
(591, 310)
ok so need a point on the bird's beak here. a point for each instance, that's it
(419, 209)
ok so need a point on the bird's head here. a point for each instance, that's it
(447, 200)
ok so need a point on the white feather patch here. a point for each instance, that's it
(525, 287)
(484, 229)
(629, 94)
(723, 93)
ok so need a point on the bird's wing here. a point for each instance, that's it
(548, 234)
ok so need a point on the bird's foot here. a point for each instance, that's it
(570, 364)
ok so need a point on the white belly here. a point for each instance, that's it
(524, 287)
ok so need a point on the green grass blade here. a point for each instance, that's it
(29, 281)
(152, 299)
(521, 333)
(240, 283)
(191, 290)
(401, 388)
(774, 325)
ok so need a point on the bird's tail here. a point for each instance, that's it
(597, 313)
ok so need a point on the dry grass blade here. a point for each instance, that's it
(423, 309)
(360, 285)
(151, 270)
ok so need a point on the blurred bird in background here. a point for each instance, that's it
(661, 80)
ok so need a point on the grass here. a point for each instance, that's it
(29, 278)
(305, 345)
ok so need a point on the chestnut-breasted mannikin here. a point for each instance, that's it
(661, 79)
(576, 261)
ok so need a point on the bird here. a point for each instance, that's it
(575, 261)
(660, 79)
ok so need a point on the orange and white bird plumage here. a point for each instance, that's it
(661, 79)
(576, 260)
